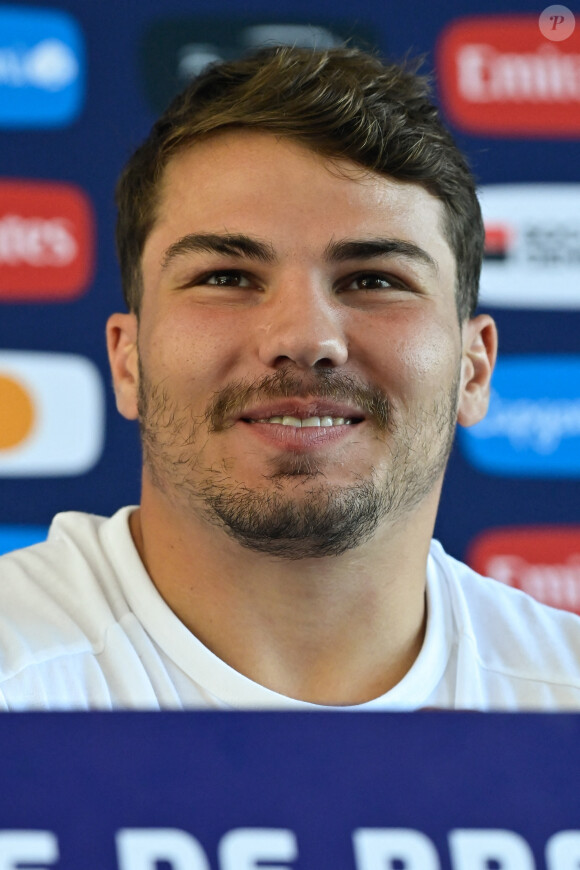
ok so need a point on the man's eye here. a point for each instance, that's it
(372, 281)
(226, 279)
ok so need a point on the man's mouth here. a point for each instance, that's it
(302, 426)
(298, 423)
(282, 400)
(304, 413)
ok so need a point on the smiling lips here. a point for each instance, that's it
(295, 424)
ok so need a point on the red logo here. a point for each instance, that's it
(543, 561)
(498, 241)
(499, 75)
(46, 241)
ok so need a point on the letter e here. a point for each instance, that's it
(475, 849)
(250, 848)
(39, 848)
(378, 848)
(563, 851)
(143, 848)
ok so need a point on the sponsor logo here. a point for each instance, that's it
(42, 68)
(16, 537)
(532, 246)
(174, 50)
(46, 241)
(52, 414)
(499, 76)
(498, 241)
(543, 561)
(532, 428)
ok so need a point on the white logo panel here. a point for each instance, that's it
(52, 414)
(532, 246)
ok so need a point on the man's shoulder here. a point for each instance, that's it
(68, 524)
(510, 632)
(70, 533)
(487, 592)
(72, 547)
(58, 595)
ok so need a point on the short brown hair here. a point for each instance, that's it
(342, 103)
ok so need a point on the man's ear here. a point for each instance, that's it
(477, 361)
(124, 362)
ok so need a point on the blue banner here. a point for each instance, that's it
(235, 791)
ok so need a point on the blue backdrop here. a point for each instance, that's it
(80, 84)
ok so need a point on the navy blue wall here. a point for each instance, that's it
(130, 55)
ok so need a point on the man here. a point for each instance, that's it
(300, 243)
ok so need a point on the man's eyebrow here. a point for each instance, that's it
(229, 244)
(365, 249)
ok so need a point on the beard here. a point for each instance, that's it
(297, 514)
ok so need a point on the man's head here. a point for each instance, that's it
(293, 351)
(342, 104)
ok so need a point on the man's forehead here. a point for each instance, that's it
(229, 151)
(234, 170)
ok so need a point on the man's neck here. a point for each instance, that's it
(336, 630)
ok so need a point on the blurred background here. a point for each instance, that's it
(81, 82)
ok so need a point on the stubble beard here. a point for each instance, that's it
(297, 514)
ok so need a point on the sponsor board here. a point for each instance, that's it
(47, 241)
(175, 50)
(532, 246)
(532, 428)
(251, 848)
(500, 76)
(42, 67)
(16, 537)
(51, 414)
(248, 790)
(543, 561)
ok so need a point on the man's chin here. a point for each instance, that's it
(301, 520)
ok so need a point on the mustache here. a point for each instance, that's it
(227, 404)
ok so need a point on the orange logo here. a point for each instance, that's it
(17, 414)
(46, 241)
(543, 561)
(499, 75)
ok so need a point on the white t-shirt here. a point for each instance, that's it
(83, 627)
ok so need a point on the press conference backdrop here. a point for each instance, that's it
(81, 81)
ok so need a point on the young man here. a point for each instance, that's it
(300, 243)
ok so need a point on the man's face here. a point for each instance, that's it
(299, 353)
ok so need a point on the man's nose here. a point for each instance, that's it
(303, 324)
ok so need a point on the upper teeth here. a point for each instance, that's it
(309, 421)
